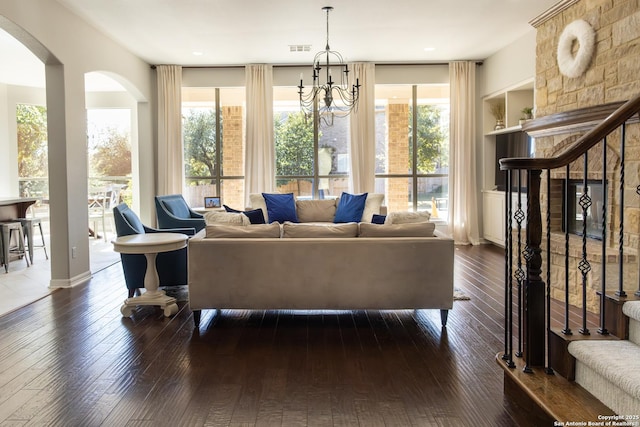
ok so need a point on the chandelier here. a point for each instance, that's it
(333, 97)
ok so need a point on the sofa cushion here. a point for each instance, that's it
(256, 216)
(372, 206)
(350, 207)
(407, 217)
(280, 207)
(177, 207)
(293, 230)
(238, 231)
(230, 218)
(417, 229)
(316, 210)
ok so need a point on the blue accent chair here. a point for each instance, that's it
(172, 211)
(171, 266)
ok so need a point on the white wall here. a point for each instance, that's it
(69, 47)
(510, 66)
(5, 160)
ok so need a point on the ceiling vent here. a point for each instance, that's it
(299, 48)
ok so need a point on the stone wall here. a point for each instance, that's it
(613, 75)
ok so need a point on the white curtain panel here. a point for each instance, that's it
(260, 158)
(362, 141)
(463, 205)
(170, 173)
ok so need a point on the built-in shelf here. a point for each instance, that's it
(505, 130)
(514, 99)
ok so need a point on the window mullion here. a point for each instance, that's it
(218, 143)
(414, 142)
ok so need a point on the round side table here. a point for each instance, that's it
(150, 244)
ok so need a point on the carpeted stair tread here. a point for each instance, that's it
(617, 361)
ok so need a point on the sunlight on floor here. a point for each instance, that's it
(23, 285)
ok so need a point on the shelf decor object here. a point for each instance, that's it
(497, 111)
(323, 96)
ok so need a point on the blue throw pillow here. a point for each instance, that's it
(378, 219)
(350, 208)
(177, 207)
(255, 216)
(280, 207)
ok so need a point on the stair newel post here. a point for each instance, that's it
(534, 293)
(520, 276)
(508, 303)
(584, 266)
(548, 368)
(620, 292)
(603, 278)
(566, 330)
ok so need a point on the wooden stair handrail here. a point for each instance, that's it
(581, 146)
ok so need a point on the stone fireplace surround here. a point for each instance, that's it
(559, 132)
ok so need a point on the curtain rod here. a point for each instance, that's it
(478, 62)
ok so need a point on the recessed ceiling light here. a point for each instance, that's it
(429, 49)
(197, 53)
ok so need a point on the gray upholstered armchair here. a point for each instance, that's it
(171, 266)
(172, 211)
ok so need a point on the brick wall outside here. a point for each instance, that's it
(397, 189)
(613, 75)
(232, 156)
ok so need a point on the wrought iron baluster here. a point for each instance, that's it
(603, 286)
(507, 275)
(519, 275)
(509, 245)
(583, 265)
(548, 368)
(567, 329)
(620, 292)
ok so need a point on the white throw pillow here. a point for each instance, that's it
(228, 218)
(407, 217)
(372, 206)
(257, 202)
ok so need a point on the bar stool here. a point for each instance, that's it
(6, 230)
(28, 225)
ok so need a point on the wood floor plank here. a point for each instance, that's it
(71, 359)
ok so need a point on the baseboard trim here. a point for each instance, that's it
(70, 283)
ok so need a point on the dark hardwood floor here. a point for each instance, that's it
(71, 360)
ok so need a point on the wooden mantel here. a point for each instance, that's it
(573, 121)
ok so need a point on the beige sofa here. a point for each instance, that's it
(316, 264)
(320, 273)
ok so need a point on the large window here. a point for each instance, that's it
(212, 124)
(310, 161)
(412, 147)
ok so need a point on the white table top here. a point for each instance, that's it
(149, 243)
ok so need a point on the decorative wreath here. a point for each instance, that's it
(583, 33)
